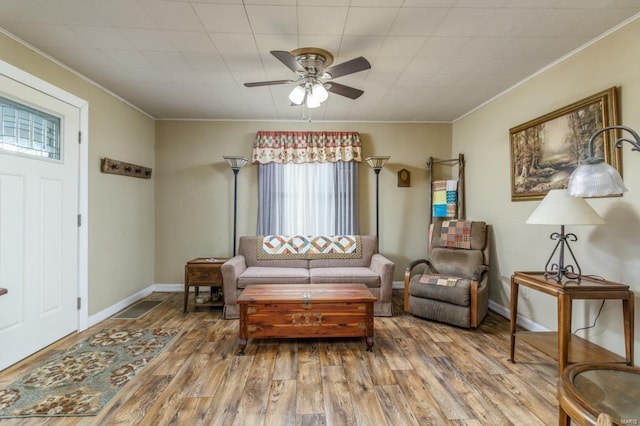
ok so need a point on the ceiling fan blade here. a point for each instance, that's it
(288, 59)
(349, 67)
(341, 89)
(268, 83)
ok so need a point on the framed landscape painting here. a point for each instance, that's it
(546, 150)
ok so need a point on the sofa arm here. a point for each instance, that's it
(231, 270)
(385, 268)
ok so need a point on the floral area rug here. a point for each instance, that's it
(83, 379)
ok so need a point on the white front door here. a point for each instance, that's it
(38, 234)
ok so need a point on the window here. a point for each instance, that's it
(29, 131)
(307, 182)
(308, 199)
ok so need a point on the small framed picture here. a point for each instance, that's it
(404, 178)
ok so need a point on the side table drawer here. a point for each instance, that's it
(204, 275)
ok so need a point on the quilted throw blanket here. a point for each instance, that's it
(309, 247)
(455, 234)
(437, 279)
(445, 198)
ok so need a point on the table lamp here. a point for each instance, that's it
(558, 208)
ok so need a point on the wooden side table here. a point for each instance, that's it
(566, 292)
(204, 272)
(586, 390)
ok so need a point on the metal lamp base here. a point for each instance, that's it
(559, 271)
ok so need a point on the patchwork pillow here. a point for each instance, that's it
(439, 279)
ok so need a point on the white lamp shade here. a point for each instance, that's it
(297, 95)
(595, 180)
(558, 208)
(235, 162)
(378, 162)
(312, 101)
(319, 92)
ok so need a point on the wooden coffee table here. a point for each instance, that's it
(305, 311)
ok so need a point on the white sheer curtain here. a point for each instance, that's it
(308, 199)
(309, 194)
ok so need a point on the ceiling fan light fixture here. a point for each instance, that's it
(319, 92)
(297, 95)
(312, 101)
(314, 71)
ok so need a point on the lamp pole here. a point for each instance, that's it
(377, 171)
(377, 163)
(235, 207)
(236, 163)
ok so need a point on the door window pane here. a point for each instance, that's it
(29, 131)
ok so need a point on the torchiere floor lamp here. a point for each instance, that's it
(236, 163)
(377, 163)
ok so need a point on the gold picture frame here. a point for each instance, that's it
(546, 150)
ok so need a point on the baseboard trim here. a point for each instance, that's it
(522, 321)
(170, 288)
(117, 307)
(397, 285)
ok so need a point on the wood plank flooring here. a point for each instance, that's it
(419, 373)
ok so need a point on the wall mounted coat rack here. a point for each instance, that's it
(117, 167)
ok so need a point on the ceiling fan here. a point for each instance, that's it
(315, 75)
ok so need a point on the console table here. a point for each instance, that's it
(204, 272)
(566, 292)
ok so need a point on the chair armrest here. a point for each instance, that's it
(407, 277)
(231, 269)
(415, 263)
(480, 270)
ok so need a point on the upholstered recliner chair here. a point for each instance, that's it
(453, 287)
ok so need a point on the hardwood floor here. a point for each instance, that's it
(419, 373)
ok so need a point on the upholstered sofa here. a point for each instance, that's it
(308, 259)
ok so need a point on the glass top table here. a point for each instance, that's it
(588, 389)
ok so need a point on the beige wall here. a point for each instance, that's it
(609, 250)
(121, 240)
(194, 187)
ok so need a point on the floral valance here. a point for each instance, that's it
(306, 147)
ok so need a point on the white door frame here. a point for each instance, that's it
(30, 80)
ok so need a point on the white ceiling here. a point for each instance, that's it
(432, 60)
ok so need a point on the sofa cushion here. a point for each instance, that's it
(345, 275)
(267, 275)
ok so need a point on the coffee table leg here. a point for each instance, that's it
(242, 344)
(242, 329)
(369, 344)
